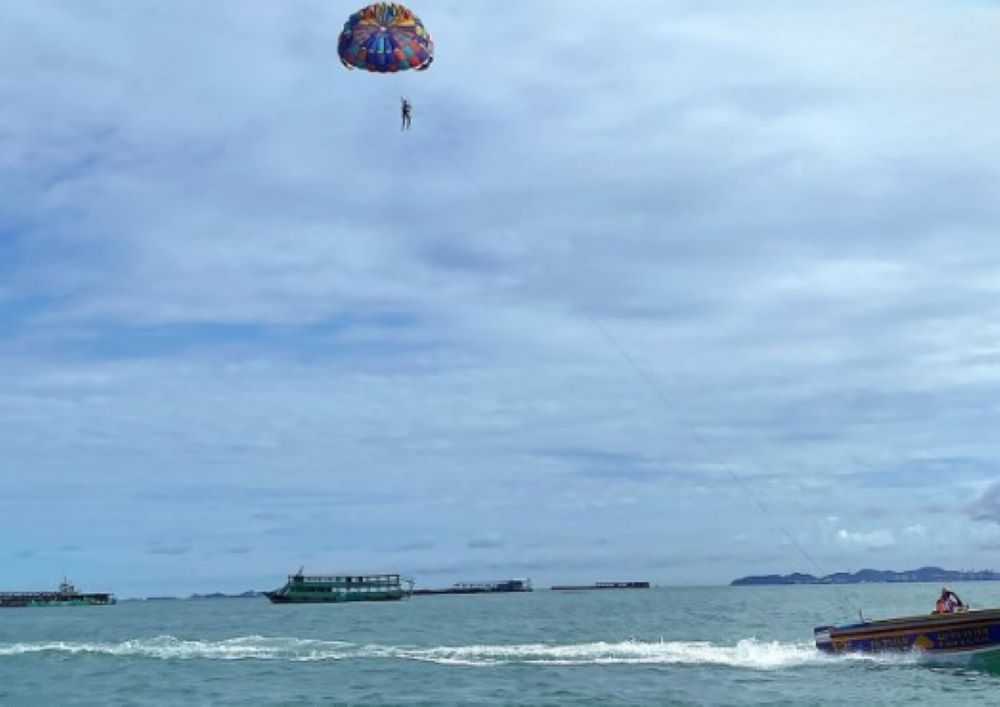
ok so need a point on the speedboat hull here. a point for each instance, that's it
(967, 632)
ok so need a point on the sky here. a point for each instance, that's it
(678, 293)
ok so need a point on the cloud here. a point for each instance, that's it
(917, 531)
(490, 542)
(880, 538)
(169, 550)
(239, 550)
(987, 506)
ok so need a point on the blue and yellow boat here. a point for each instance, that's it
(960, 633)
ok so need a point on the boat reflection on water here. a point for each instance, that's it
(965, 633)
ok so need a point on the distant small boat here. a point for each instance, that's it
(966, 632)
(320, 589)
(600, 585)
(503, 586)
(66, 595)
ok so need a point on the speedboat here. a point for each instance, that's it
(964, 632)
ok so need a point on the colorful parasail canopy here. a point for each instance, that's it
(385, 37)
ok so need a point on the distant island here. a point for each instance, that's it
(250, 594)
(869, 576)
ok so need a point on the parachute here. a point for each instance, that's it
(385, 37)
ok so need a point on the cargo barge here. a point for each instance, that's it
(499, 587)
(600, 585)
(326, 589)
(66, 595)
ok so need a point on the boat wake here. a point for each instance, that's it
(746, 654)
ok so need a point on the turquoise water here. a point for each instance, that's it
(721, 646)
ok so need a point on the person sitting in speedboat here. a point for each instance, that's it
(948, 602)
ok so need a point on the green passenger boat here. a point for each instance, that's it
(319, 589)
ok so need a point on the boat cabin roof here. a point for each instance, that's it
(347, 578)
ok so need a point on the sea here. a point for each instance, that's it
(661, 646)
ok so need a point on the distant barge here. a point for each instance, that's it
(66, 595)
(601, 585)
(325, 589)
(500, 587)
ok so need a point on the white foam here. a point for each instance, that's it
(747, 654)
(170, 648)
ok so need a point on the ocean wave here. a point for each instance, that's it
(748, 653)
